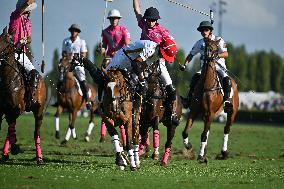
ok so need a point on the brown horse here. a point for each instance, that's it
(16, 96)
(118, 104)
(153, 112)
(208, 100)
(69, 97)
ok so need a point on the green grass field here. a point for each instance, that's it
(256, 160)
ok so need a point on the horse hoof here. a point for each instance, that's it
(39, 161)
(225, 155)
(133, 168)
(188, 146)
(202, 159)
(5, 158)
(164, 164)
(87, 139)
(119, 160)
(155, 156)
(15, 149)
(102, 139)
(63, 143)
(57, 136)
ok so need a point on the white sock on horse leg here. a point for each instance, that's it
(156, 150)
(115, 142)
(73, 133)
(185, 141)
(202, 148)
(225, 142)
(136, 155)
(90, 128)
(131, 158)
(56, 123)
(68, 134)
(203, 145)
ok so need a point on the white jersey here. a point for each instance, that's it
(199, 47)
(145, 49)
(78, 46)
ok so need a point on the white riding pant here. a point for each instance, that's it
(80, 73)
(122, 62)
(220, 68)
(25, 61)
(165, 76)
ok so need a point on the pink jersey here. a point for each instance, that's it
(19, 26)
(155, 34)
(115, 38)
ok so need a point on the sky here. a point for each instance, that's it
(257, 24)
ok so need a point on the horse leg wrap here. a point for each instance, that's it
(131, 158)
(156, 138)
(6, 147)
(123, 135)
(166, 156)
(136, 155)
(103, 129)
(38, 149)
(115, 142)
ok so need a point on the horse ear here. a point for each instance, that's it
(5, 30)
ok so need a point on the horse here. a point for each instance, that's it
(118, 108)
(16, 96)
(208, 100)
(153, 112)
(69, 97)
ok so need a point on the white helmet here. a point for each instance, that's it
(22, 3)
(114, 13)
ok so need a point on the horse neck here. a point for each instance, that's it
(69, 80)
(10, 68)
(209, 77)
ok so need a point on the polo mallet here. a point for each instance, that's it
(193, 9)
(42, 41)
(104, 18)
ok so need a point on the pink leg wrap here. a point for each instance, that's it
(6, 147)
(156, 138)
(141, 149)
(38, 149)
(103, 129)
(12, 133)
(166, 155)
(148, 140)
(123, 135)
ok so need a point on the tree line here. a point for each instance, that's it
(259, 71)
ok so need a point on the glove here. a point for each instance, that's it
(182, 68)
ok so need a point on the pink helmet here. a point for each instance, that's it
(168, 49)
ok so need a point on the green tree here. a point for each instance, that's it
(276, 71)
(263, 74)
(251, 74)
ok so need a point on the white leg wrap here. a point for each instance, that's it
(56, 123)
(156, 150)
(202, 148)
(90, 128)
(68, 134)
(136, 155)
(225, 142)
(185, 141)
(73, 133)
(131, 158)
(115, 142)
(203, 145)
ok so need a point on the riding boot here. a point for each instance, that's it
(227, 90)
(186, 102)
(84, 90)
(34, 75)
(170, 97)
